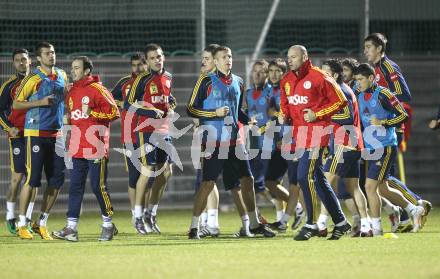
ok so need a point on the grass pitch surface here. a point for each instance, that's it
(172, 255)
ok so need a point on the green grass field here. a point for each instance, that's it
(172, 255)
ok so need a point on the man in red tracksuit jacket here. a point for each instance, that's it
(308, 100)
(90, 108)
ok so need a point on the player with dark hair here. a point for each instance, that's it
(278, 165)
(389, 75)
(217, 101)
(380, 113)
(12, 122)
(343, 159)
(151, 98)
(258, 101)
(139, 66)
(42, 93)
(348, 66)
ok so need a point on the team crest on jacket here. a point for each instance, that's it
(153, 88)
(307, 84)
(85, 100)
(287, 88)
(70, 103)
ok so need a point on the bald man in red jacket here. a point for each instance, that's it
(308, 100)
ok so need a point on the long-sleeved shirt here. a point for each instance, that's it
(119, 93)
(43, 121)
(10, 117)
(153, 91)
(91, 144)
(380, 103)
(389, 75)
(215, 90)
(310, 89)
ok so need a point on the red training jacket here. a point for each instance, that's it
(87, 141)
(310, 89)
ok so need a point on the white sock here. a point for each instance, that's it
(107, 221)
(365, 225)
(204, 219)
(313, 226)
(29, 210)
(245, 222)
(21, 221)
(280, 214)
(298, 208)
(341, 223)
(194, 222)
(322, 222)
(376, 224)
(132, 212)
(253, 219)
(10, 210)
(42, 221)
(387, 206)
(153, 209)
(285, 218)
(410, 208)
(72, 223)
(356, 220)
(212, 218)
(138, 211)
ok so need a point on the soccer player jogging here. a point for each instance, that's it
(343, 160)
(258, 100)
(348, 66)
(128, 134)
(209, 217)
(380, 113)
(209, 225)
(42, 94)
(217, 101)
(389, 75)
(90, 109)
(279, 165)
(151, 98)
(308, 100)
(12, 122)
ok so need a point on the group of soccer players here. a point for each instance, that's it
(334, 130)
(313, 124)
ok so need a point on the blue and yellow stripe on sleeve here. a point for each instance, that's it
(196, 112)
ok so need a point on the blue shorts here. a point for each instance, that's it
(17, 153)
(380, 169)
(278, 167)
(342, 193)
(152, 148)
(232, 167)
(349, 168)
(259, 169)
(41, 153)
(132, 166)
(230, 181)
